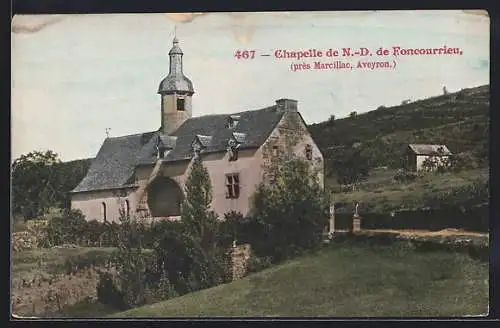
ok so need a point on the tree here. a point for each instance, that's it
(353, 114)
(191, 257)
(352, 167)
(199, 219)
(34, 183)
(291, 213)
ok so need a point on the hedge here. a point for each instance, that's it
(471, 219)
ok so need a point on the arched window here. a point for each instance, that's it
(127, 208)
(103, 211)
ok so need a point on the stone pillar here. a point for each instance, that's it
(331, 228)
(356, 223)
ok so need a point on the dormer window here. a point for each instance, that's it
(180, 104)
(309, 154)
(232, 121)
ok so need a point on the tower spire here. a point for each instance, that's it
(176, 91)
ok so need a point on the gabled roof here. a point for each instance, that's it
(114, 163)
(420, 149)
(118, 157)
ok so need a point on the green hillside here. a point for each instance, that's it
(345, 280)
(460, 120)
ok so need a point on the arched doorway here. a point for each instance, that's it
(164, 197)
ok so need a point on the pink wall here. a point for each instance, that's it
(90, 203)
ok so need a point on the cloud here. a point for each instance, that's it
(33, 24)
(184, 17)
(242, 24)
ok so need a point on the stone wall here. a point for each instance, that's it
(44, 296)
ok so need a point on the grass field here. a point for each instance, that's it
(381, 190)
(345, 280)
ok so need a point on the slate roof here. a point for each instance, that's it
(420, 149)
(114, 165)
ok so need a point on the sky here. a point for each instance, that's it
(74, 76)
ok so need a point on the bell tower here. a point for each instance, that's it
(176, 92)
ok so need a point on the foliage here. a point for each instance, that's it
(34, 185)
(256, 264)
(290, 215)
(187, 265)
(133, 284)
(470, 218)
(405, 176)
(41, 181)
(81, 261)
(191, 256)
(70, 227)
(352, 167)
(199, 219)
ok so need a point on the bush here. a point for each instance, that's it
(290, 215)
(187, 266)
(92, 258)
(475, 218)
(405, 176)
(65, 229)
(256, 264)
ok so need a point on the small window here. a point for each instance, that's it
(275, 150)
(103, 211)
(180, 104)
(232, 185)
(309, 154)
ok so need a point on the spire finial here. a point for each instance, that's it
(107, 132)
(175, 34)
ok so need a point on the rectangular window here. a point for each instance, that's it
(275, 150)
(180, 104)
(232, 185)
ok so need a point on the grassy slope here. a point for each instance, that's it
(382, 191)
(461, 124)
(344, 281)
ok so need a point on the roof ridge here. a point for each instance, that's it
(131, 135)
(234, 113)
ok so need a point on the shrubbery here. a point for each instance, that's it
(405, 176)
(290, 215)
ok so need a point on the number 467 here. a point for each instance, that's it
(245, 54)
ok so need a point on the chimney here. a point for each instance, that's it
(287, 105)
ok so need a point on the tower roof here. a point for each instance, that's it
(176, 81)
